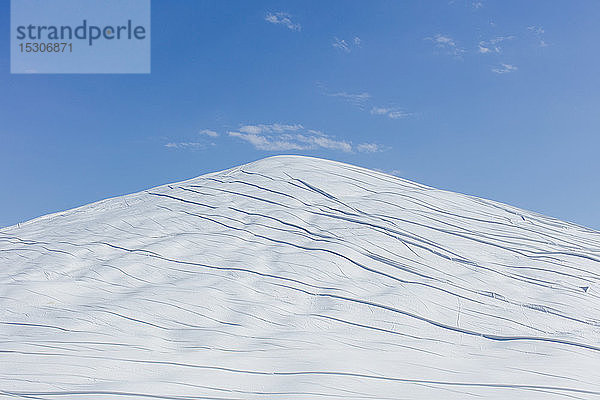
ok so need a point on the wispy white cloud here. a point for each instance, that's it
(360, 100)
(475, 4)
(292, 141)
(187, 145)
(483, 49)
(341, 44)
(346, 46)
(504, 69)
(351, 96)
(447, 44)
(444, 41)
(285, 137)
(209, 133)
(266, 142)
(270, 128)
(199, 144)
(538, 31)
(390, 112)
(364, 101)
(493, 45)
(369, 148)
(282, 18)
(278, 137)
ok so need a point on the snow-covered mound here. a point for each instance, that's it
(299, 278)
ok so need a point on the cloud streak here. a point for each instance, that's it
(209, 133)
(186, 145)
(285, 19)
(369, 148)
(364, 102)
(390, 112)
(351, 96)
(276, 137)
(504, 69)
(538, 31)
(270, 128)
(493, 45)
(360, 100)
(447, 44)
(346, 46)
(286, 137)
(341, 44)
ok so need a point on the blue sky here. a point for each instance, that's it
(498, 99)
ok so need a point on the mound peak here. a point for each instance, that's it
(296, 277)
